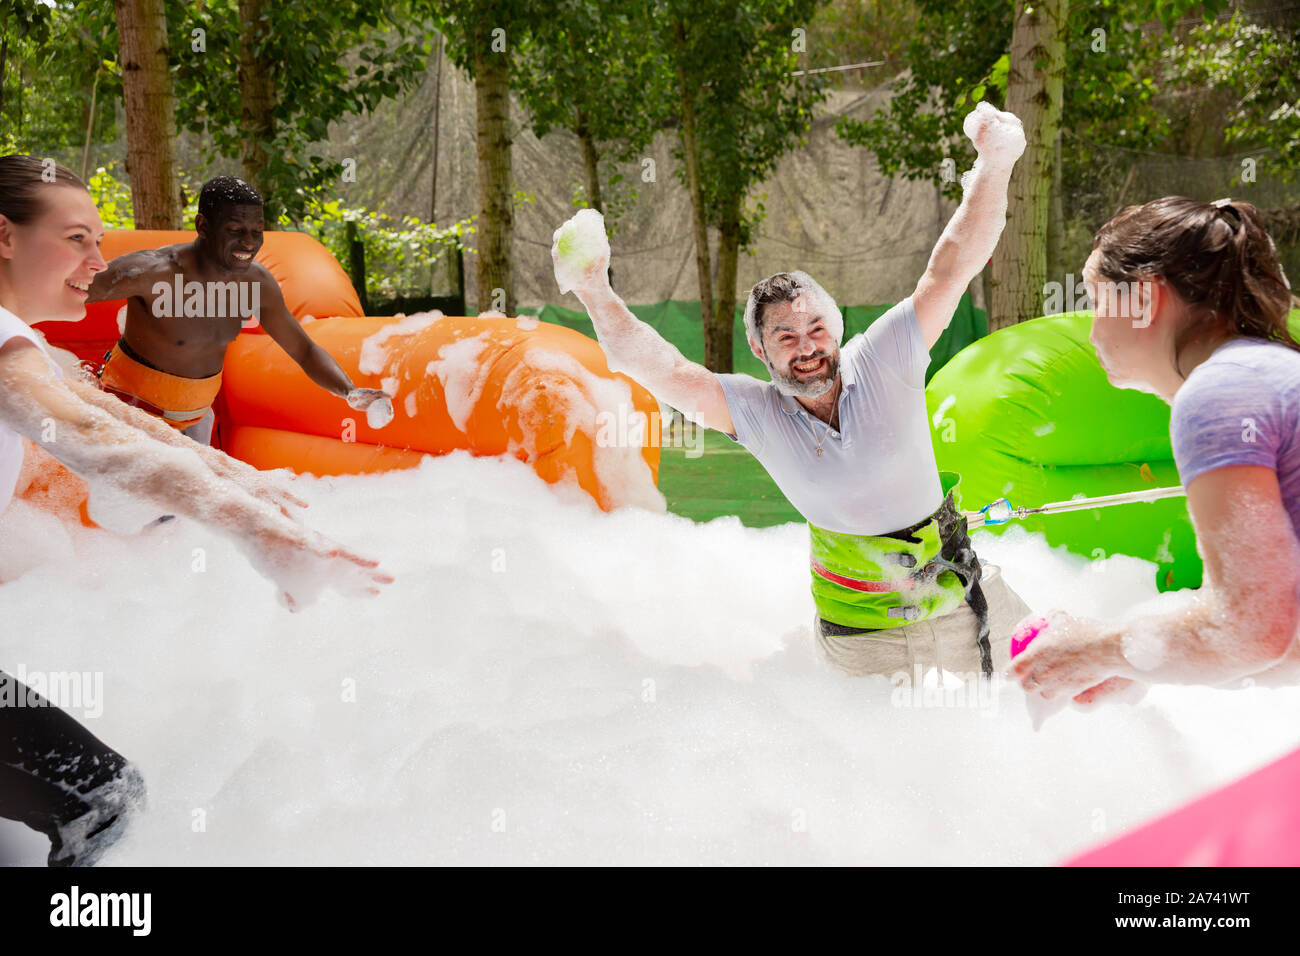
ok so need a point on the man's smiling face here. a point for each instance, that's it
(801, 355)
(235, 238)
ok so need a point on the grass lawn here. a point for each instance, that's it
(724, 480)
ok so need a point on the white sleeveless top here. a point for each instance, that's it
(11, 443)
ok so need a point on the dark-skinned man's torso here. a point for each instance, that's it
(190, 345)
(185, 304)
(193, 346)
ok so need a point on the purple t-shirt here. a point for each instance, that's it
(1241, 406)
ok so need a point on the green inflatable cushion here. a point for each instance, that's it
(1027, 414)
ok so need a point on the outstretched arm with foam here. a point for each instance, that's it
(1245, 622)
(99, 447)
(269, 486)
(581, 258)
(972, 234)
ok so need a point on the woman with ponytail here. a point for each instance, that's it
(56, 776)
(1191, 303)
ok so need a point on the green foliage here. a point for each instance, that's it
(1250, 77)
(590, 58)
(399, 252)
(471, 26)
(734, 58)
(53, 55)
(587, 69)
(330, 60)
(1113, 72)
(112, 198)
(861, 31)
(956, 52)
(25, 21)
(111, 194)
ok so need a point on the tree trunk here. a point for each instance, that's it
(433, 132)
(357, 265)
(703, 267)
(1056, 264)
(718, 339)
(1020, 260)
(591, 173)
(4, 58)
(590, 164)
(257, 96)
(495, 201)
(150, 114)
(433, 174)
(90, 128)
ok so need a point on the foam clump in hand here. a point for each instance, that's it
(999, 136)
(581, 248)
(379, 413)
(1038, 707)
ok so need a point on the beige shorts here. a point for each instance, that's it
(946, 642)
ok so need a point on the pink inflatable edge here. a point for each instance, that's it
(1252, 822)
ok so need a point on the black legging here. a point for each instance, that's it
(54, 771)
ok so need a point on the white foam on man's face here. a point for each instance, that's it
(799, 351)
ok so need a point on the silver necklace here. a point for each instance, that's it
(835, 407)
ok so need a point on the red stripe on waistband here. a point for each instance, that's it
(874, 587)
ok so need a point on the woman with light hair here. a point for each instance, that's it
(56, 776)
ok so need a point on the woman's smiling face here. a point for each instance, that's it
(52, 259)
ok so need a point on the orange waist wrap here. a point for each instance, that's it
(180, 402)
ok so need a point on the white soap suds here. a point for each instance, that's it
(545, 683)
(375, 350)
(463, 374)
(593, 404)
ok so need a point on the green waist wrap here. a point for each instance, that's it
(878, 582)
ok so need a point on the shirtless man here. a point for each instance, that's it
(173, 349)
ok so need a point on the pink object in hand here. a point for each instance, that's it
(1026, 633)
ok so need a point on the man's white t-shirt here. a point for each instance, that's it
(11, 443)
(877, 472)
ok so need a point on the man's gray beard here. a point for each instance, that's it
(789, 385)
